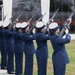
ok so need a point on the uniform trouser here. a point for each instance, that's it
(10, 62)
(3, 57)
(28, 65)
(59, 69)
(18, 61)
(42, 65)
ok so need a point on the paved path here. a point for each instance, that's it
(4, 72)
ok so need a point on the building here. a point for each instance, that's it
(31, 7)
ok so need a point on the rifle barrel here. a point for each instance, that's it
(71, 14)
(4, 17)
(41, 17)
(20, 15)
(55, 13)
(30, 19)
(47, 24)
(12, 16)
(62, 32)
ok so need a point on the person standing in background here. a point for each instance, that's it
(9, 38)
(3, 47)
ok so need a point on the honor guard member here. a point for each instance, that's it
(18, 49)
(42, 49)
(59, 57)
(9, 47)
(29, 49)
(2, 47)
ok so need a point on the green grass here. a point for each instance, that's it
(70, 68)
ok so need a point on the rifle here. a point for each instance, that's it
(50, 20)
(66, 24)
(35, 24)
(12, 16)
(18, 17)
(5, 17)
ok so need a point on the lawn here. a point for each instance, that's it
(70, 69)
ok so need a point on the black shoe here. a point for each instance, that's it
(12, 72)
(4, 68)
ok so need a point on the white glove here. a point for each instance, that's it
(66, 31)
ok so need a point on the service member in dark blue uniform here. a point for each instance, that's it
(18, 49)
(42, 48)
(2, 48)
(28, 49)
(59, 57)
(9, 47)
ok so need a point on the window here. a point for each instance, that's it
(65, 9)
(63, 5)
(1, 4)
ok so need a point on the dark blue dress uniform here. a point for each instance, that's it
(42, 50)
(29, 51)
(18, 49)
(41, 53)
(3, 49)
(59, 57)
(10, 49)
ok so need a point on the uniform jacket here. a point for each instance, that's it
(59, 55)
(28, 46)
(2, 39)
(1, 33)
(9, 39)
(18, 42)
(41, 40)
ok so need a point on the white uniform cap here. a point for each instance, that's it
(53, 25)
(70, 19)
(24, 24)
(1, 23)
(18, 25)
(39, 24)
(6, 23)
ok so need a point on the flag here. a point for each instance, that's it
(45, 8)
(7, 5)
